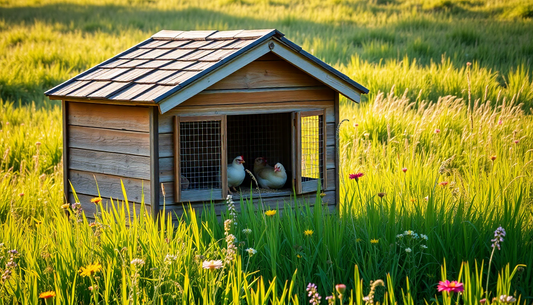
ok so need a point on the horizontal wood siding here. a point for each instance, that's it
(110, 144)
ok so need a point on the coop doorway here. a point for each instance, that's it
(261, 135)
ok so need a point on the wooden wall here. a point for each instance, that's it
(266, 85)
(108, 144)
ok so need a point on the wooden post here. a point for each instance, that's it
(154, 161)
(64, 110)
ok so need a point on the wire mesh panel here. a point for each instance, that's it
(312, 151)
(200, 159)
(260, 135)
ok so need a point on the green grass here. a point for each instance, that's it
(411, 54)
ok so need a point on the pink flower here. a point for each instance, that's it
(437, 130)
(356, 176)
(500, 122)
(448, 286)
(341, 288)
(404, 169)
(516, 141)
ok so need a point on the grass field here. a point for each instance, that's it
(468, 160)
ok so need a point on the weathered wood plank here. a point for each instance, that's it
(109, 116)
(90, 209)
(165, 120)
(250, 96)
(166, 145)
(109, 186)
(331, 177)
(166, 169)
(266, 74)
(128, 166)
(135, 143)
(330, 157)
(330, 134)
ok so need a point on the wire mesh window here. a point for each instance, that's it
(312, 151)
(200, 159)
(260, 135)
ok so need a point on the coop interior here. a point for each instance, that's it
(261, 135)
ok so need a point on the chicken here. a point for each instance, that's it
(268, 176)
(236, 172)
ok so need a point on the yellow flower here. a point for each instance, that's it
(65, 206)
(308, 232)
(90, 269)
(96, 200)
(322, 194)
(270, 213)
(374, 241)
(47, 294)
(298, 256)
(358, 240)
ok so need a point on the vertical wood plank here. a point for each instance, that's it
(177, 160)
(64, 108)
(324, 151)
(298, 151)
(224, 158)
(154, 161)
(337, 154)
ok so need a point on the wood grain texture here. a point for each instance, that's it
(330, 157)
(90, 209)
(165, 120)
(118, 141)
(109, 186)
(123, 165)
(166, 145)
(109, 116)
(266, 74)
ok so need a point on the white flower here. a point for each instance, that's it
(424, 236)
(212, 265)
(251, 251)
(423, 246)
(399, 236)
(137, 261)
(408, 250)
(426, 198)
(247, 231)
(507, 299)
(170, 258)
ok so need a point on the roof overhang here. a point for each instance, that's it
(284, 49)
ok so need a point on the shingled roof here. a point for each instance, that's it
(169, 61)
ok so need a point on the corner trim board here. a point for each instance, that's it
(154, 161)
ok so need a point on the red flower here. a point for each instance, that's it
(448, 286)
(356, 176)
(437, 130)
(404, 169)
(443, 183)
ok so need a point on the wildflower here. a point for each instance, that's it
(313, 294)
(469, 64)
(91, 288)
(65, 206)
(423, 236)
(507, 299)
(437, 130)
(96, 200)
(356, 124)
(499, 234)
(399, 236)
(341, 288)
(270, 213)
(358, 240)
(356, 176)
(137, 261)
(423, 246)
(21, 195)
(374, 241)
(247, 231)
(408, 250)
(38, 143)
(500, 122)
(492, 158)
(404, 169)
(330, 299)
(409, 232)
(298, 256)
(13, 252)
(47, 294)
(516, 141)
(251, 251)
(90, 269)
(227, 226)
(443, 183)
(450, 286)
(308, 232)
(322, 194)
(366, 134)
(412, 199)
(426, 198)
(381, 195)
(483, 301)
(212, 265)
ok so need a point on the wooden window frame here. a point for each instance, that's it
(297, 149)
(177, 158)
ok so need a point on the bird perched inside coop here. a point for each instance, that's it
(173, 111)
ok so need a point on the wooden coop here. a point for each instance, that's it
(167, 116)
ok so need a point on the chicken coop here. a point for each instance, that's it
(167, 117)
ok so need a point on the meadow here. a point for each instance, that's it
(444, 148)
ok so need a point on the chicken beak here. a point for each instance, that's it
(242, 161)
